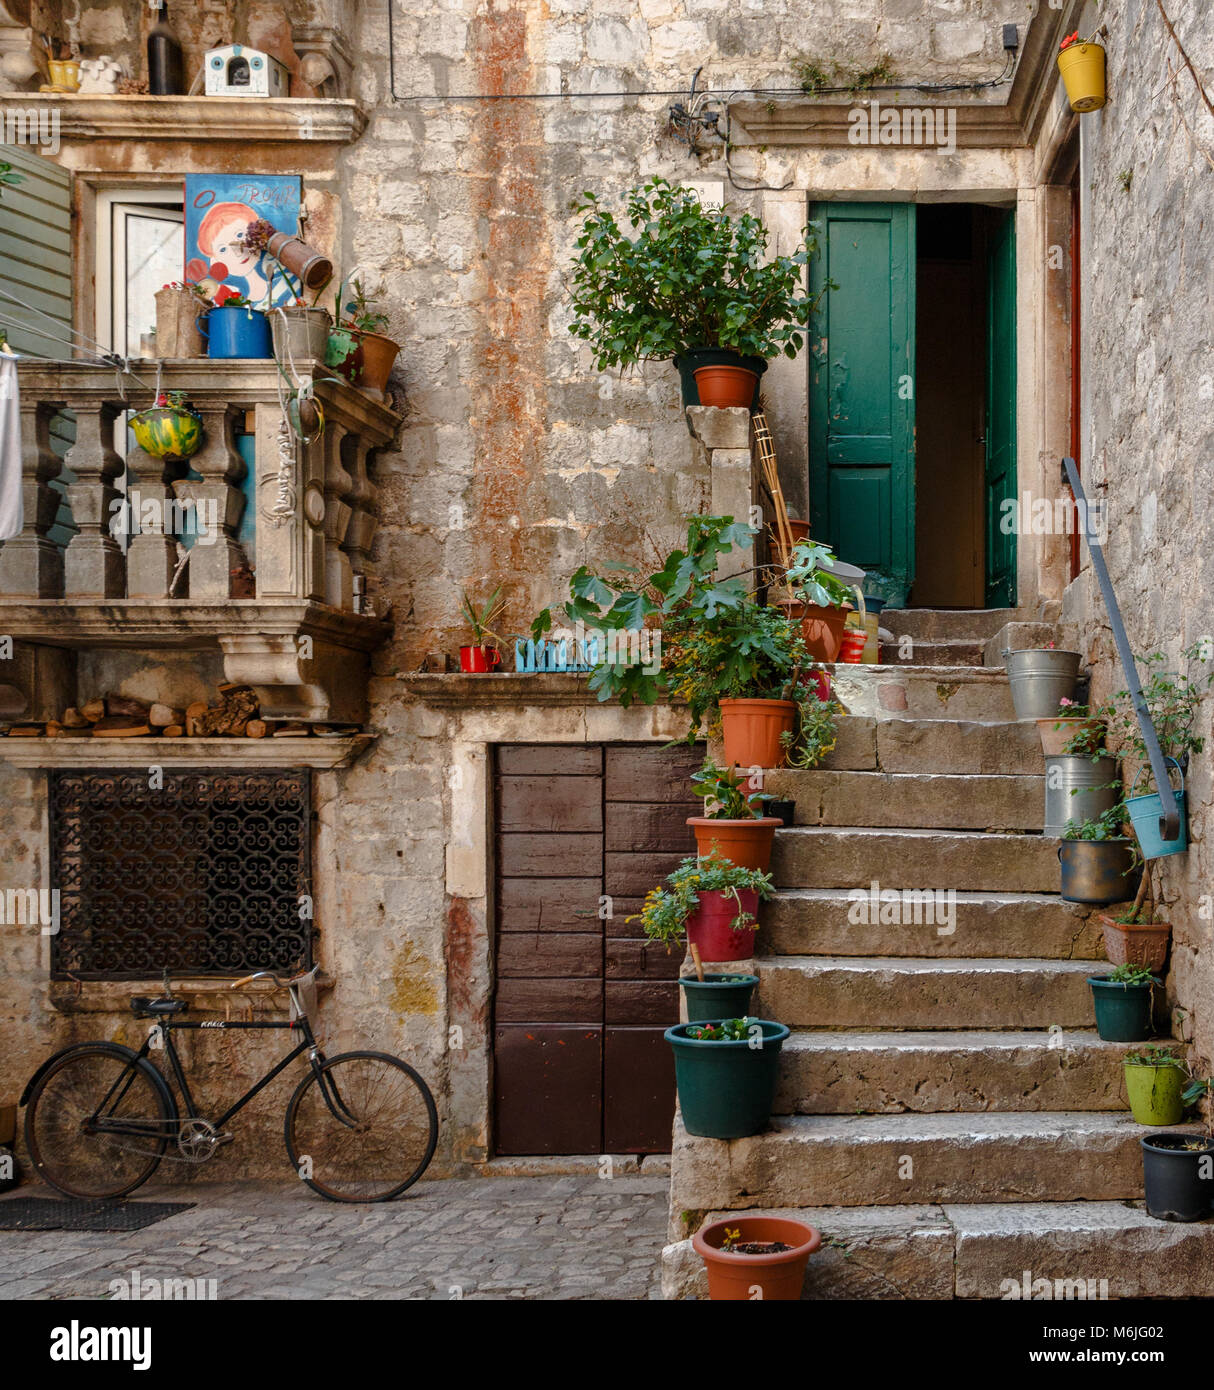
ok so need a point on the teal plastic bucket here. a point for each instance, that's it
(1145, 812)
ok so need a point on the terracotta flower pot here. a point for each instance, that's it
(708, 926)
(379, 353)
(751, 731)
(822, 629)
(1056, 733)
(746, 843)
(311, 268)
(747, 1277)
(725, 387)
(1135, 943)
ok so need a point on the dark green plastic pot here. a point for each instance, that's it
(1123, 1012)
(713, 998)
(726, 1089)
(688, 361)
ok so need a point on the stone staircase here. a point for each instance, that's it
(946, 1114)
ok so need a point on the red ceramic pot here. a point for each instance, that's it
(479, 660)
(708, 926)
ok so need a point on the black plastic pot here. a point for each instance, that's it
(688, 361)
(1172, 1175)
(783, 808)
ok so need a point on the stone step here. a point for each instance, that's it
(924, 692)
(945, 624)
(994, 747)
(972, 1071)
(817, 922)
(891, 1160)
(914, 800)
(981, 1250)
(1018, 636)
(922, 651)
(970, 860)
(907, 992)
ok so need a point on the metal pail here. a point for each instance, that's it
(1041, 677)
(1077, 789)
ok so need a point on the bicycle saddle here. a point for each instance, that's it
(142, 1005)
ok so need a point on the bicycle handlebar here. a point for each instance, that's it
(261, 975)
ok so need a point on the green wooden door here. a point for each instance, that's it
(862, 406)
(1000, 473)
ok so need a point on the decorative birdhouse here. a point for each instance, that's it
(236, 71)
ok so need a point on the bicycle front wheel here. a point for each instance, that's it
(361, 1128)
(90, 1088)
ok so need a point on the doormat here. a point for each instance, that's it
(52, 1214)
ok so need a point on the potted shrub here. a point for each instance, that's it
(716, 995)
(749, 1257)
(484, 652)
(1123, 1001)
(725, 1073)
(1082, 69)
(1073, 730)
(821, 602)
(710, 901)
(1155, 1081)
(234, 329)
(1041, 678)
(1097, 858)
(685, 282)
(1178, 1169)
(357, 350)
(733, 824)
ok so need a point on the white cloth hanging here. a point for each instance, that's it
(12, 508)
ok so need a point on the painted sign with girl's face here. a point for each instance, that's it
(218, 210)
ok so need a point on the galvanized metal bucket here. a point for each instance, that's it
(1077, 789)
(1040, 677)
(1097, 871)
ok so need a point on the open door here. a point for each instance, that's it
(862, 396)
(1000, 469)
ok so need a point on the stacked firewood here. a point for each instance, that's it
(234, 715)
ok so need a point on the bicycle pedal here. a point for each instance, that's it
(223, 1137)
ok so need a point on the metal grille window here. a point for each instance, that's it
(206, 874)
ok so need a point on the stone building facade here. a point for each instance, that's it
(444, 168)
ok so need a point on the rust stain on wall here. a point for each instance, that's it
(467, 1005)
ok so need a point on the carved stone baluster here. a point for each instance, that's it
(31, 565)
(219, 502)
(339, 582)
(93, 564)
(152, 554)
(364, 518)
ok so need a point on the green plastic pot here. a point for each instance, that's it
(714, 998)
(726, 1089)
(1155, 1094)
(1123, 1012)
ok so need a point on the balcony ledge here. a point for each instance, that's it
(213, 754)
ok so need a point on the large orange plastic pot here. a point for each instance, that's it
(754, 1277)
(724, 387)
(822, 629)
(746, 843)
(751, 731)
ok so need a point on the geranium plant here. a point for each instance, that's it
(667, 908)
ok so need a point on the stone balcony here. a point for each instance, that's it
(299, 638)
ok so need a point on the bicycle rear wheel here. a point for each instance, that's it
(362, 1128)
(82, 1161)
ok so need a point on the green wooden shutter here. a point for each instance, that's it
(862, 407)
(1000, 481)
(36, 252)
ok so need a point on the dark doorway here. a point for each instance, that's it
(582, 999)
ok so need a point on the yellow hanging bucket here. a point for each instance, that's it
(1082, 69)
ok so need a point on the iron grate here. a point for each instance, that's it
(202, 872)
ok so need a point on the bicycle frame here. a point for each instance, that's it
(166, 1025)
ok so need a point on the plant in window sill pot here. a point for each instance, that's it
(1173, 700)
(1178, 1169)
(710, 901)
(725, 1071)
(357, 350)
(1075, 730)
(1155, 1079)
(745, 1254)
(820, 601)
(484, 653)
(680, 280)
(233, 328)
(1083, 74)
(733, 823)
(1124, 1003)
(1097, 858)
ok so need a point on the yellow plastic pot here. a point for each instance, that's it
(1082, 69)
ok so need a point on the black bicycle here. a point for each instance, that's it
(360, 1127)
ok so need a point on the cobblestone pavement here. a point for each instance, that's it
(537, 1238)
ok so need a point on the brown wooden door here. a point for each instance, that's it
(582, 999)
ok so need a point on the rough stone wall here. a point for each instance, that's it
(1148, 383)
